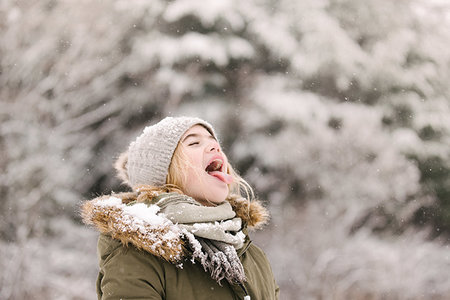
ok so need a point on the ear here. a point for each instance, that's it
(121, 167)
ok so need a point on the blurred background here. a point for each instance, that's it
(336, 111)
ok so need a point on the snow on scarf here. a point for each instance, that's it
(214, 233)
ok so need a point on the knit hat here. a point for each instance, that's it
(148, 158)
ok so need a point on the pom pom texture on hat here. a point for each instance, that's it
(149, 156)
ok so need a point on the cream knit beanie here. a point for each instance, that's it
(148, 158)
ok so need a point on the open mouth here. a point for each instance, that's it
(215, 165)
(216, 169)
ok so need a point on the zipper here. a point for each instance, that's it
(245, 249)
(247, 296)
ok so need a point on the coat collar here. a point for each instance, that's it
(140, 225)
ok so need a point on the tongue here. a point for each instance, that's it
(222, 176)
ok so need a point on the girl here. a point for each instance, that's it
(182, 232)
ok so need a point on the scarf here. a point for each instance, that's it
(213, 234)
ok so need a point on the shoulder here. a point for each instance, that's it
(123, 267)
(106, 245)
(113, 254)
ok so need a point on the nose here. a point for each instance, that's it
(213, 147)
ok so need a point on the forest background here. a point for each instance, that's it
(336, 111)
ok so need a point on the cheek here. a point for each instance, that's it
(194, 184)
(194, 160)
(193, 169)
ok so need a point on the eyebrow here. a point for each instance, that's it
(197, 135)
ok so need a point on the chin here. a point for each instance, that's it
(218, 200)
(214, 197)
(220, 196)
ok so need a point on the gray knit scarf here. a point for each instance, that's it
(212, 233)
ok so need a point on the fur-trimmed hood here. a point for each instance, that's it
(137, 223)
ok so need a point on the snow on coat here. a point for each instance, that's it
(141, 226)
(164, 269)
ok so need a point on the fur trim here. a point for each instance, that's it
(251, 212)
(108, 214)
(162, 240)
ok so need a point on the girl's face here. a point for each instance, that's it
(205, 167)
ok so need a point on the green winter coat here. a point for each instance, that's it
(138, 262)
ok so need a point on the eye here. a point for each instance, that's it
(193, 143)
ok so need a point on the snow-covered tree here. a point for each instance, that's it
(336, 111)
